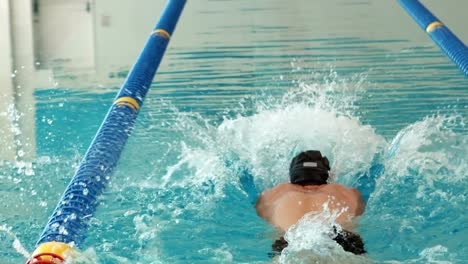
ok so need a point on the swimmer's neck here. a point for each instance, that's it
(310, 187)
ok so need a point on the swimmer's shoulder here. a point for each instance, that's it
(277, 190)
(267, 197)
(341, 188)
(350, 193)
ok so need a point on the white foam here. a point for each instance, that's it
(315, 115)
(309, 241)
(431, 151)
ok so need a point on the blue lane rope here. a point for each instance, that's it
(70, 218)
(455, 49)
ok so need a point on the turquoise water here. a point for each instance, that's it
(347, 91)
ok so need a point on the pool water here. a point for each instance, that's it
(250, 93)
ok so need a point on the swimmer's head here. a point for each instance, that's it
(309, 168)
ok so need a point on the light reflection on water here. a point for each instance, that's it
(244, 68)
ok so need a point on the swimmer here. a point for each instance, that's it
(308, 191)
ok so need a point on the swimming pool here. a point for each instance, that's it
(280, 77)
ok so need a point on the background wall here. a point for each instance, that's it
(7, 149)
(102, 36)
(80, 43)
(121, 28)
(64, 33)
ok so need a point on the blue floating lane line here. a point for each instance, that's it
(455, 49)
(70, 218)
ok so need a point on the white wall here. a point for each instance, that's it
(121, 28)
(111, 36)
(64, 34)
(7, 148)
(24, 82)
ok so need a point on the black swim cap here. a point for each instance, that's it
(309, 167)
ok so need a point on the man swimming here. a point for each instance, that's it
(308, 191)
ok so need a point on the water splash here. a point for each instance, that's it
(19, 248)
(317, 115)
(428, 169)
(262, 134)
(267, 130)
(309, 241)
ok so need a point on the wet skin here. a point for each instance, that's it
(286, 203)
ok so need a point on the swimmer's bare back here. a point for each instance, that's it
(286, 203)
